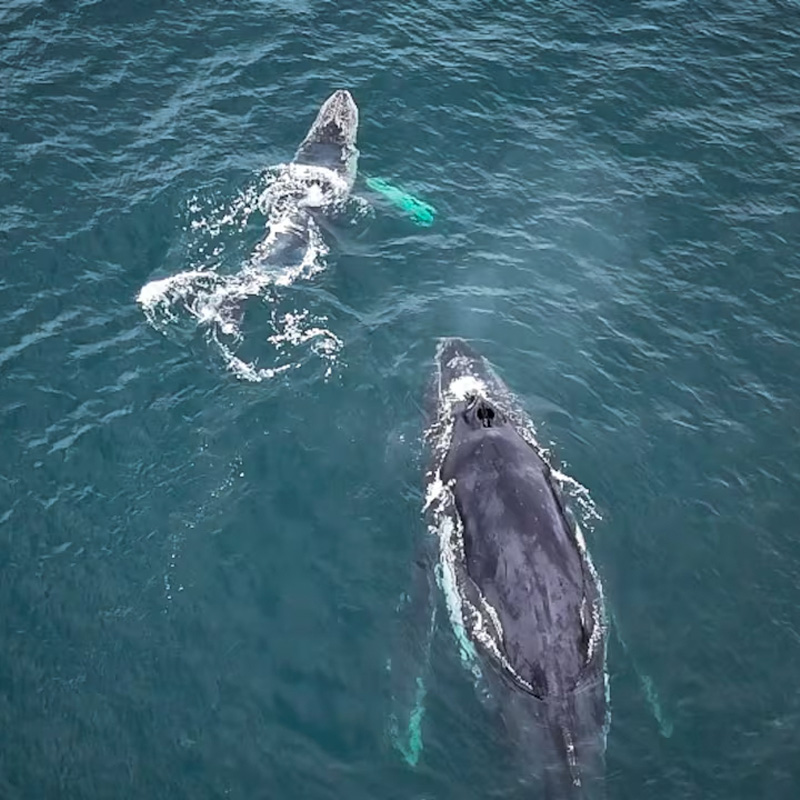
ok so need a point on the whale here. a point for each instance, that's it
(314, 186)
(300, 201)
(523, 596)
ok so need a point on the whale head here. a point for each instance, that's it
(331, 140)
(336, 122)
(463, 376)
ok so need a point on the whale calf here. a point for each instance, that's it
(522, 593)
(298, 200)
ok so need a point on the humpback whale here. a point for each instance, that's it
(300, 198)
(522, 593)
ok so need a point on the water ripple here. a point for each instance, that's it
(199, 571)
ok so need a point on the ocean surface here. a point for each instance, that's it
(209, 510)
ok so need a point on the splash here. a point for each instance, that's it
(579, 495)
(216, 299)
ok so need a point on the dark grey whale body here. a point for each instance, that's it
(517, 569)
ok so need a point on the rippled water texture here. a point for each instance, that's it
(200, 573)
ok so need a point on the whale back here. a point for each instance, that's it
(520, 550)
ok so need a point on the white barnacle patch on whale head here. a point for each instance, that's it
(336, 121)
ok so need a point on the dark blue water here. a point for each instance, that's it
(199, 573)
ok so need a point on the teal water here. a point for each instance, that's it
(200, 573)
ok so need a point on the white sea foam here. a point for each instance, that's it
(293, 249)
(447, 577)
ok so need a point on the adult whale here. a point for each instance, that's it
(520, 586)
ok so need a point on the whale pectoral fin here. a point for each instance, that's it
(409, 667)
(422, 213)
(405, 728)
(665, 724)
